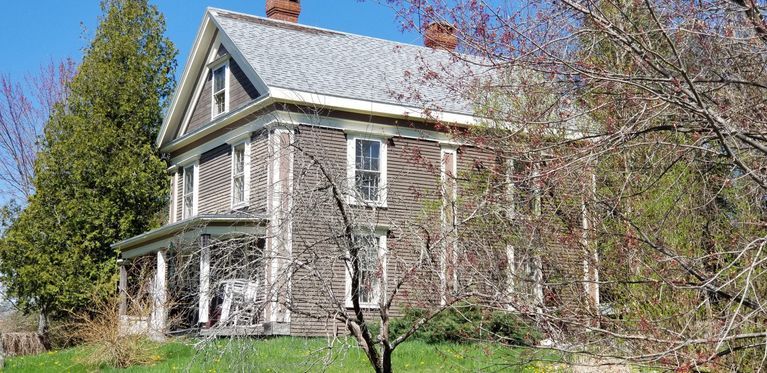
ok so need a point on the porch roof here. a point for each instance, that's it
(200, 224)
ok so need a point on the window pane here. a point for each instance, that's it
(367, 257)
(188, 180)
(367, 185)
(367, 155)
(367, 287)
(220, 99)
(188, 208)
(219, 79)
(239, 159)
(239, 189)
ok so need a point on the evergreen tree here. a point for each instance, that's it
(99, 178)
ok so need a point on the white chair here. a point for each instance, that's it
(239, 295)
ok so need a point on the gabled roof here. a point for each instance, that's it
(311, 59)
(292, 61)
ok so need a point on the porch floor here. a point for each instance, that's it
(264, 329)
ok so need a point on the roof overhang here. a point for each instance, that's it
(323, 101)
(202, 224)
(320, 101)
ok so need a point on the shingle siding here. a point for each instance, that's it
(413, 185)
(201, 110)
(241, 91)
(215, 181)
(412, 212)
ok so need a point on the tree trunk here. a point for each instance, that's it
(42, 329)
(386, 359)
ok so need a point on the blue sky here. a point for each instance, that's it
(35, 32)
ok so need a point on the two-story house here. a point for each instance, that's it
(268, 118)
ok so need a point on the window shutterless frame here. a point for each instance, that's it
(240, 181)
(372, 257)
(190, 190)
(219, 89)
(367, 170)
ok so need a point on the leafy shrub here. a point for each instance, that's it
(467, 323)
(512, 329)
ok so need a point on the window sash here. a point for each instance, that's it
(367, 168)
(219, 89)
(239, 172)
(368, 263)
(239, 189)
(220, 102)
(188, 198)
(219, 79)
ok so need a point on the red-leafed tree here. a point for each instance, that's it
(641, 129)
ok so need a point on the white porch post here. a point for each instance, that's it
(591, 257)
(123, 289)
(204, 306)
(159, 311)
(537, 260)
(280, 225)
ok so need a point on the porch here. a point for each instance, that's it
(205, 275)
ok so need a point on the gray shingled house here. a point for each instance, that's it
(252, 89)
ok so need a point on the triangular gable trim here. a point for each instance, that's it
(186, 95)
(238, 57)
(195, 98)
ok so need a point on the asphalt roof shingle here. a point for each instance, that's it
(309, 59)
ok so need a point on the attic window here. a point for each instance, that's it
(220, 98)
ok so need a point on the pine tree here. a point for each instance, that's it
(99, 178)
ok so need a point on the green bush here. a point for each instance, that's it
(467, 323)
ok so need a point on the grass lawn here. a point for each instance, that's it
(292, 354)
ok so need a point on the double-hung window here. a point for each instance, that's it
(240, 174)
(220, 92)
(367, 161)
(371, 249)
(189, 198)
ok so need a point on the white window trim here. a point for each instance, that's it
(353, 197)
(195, 189)
(172, 215)
(225, 65)
(246, 175)
(453, 172)
(380, 296)
(451, 240)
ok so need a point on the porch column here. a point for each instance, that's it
(280, 237)
(591, 256)
(159, 311)
(122, 288)
(204, 306)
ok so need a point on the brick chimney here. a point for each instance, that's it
(283, 10)
(440, 35)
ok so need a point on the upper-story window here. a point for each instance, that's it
(367, 159)
(220, 89)
(189, 198)
(240, 174)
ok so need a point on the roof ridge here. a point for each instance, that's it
(277, 21)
